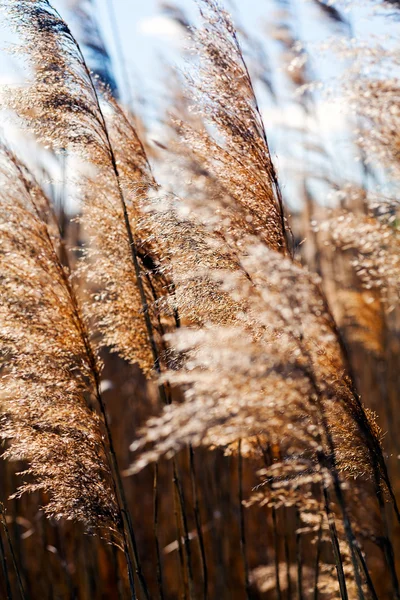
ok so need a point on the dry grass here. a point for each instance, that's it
(192, 303)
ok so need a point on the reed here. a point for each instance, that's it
(234, 355)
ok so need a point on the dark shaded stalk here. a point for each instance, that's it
(387, 544)
(197, 515)
(351, 540)
(242, 523)
(122, 503)
(119, 582)
(182, 570)
(185, 529)
(276, 553)
(299, 559)
(13, 536)
(186, 539)
(61, 217)
(13, 558)
(389, 556)
(157, 543)
(45, 543)
(287, 559)
(62, 559)
(90, 568)
(368, 579)
(335, 546)
(4, 566)
(317, 559)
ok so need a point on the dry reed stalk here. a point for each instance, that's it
(238, 153)
(321, 366)
(87, 131)
(4, 558)
(317, 562)
(51, 463)
(198, 521)
(156, 538)
(242, 522)
(93, 112)
(5, 570)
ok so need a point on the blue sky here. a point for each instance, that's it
(146, 36)
(150, 41)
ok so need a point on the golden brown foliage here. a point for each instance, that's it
(234, 146)
(202, 289)
(47, 379)
(275, 369)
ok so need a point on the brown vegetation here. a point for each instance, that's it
(252, 378)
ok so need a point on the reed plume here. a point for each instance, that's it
(234, 146)
(65, 111)
(47, 382)
(116, 303)
(274, 373)
(277, 367)
(324, 358)
(373, 244)
(279, 342)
